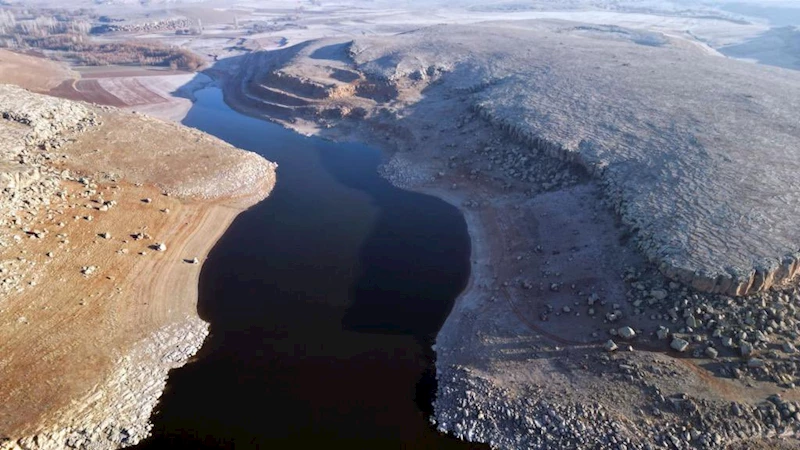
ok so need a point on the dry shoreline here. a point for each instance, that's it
(89, 363)
(520, 359)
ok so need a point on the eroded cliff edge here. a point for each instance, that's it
(106, 219)
(696, 153)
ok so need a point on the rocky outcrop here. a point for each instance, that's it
(735, 281)
(696, 153)
(33, 125)
(47, 117)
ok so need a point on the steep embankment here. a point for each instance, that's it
(547, 136)
(695, 152)
(107, 217)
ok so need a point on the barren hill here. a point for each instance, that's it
(30, 72)
(698, 154)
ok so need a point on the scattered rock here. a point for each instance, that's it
(755, 363)
(658, 294)
(626, 333)
(679, 344)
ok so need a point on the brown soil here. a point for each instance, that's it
(88, 91)
(32, 73)
(61, 335)
(179, 160)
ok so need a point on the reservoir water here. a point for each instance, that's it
(323, 302)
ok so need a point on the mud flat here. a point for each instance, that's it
(107, 217)
(572, 332)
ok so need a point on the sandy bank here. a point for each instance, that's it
(96, 313)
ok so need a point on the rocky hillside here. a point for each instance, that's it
(105, 219)
(33, 123)
(564, 145)
(696, 153)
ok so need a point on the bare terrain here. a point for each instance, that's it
(30, 72)
(102, 240)
(619, 294)
(611, 101)
(629, 187)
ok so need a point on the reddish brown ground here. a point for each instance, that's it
(61, 335)
(32, 73)
(86, 91)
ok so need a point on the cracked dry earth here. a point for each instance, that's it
(105, 218)
(567, 336)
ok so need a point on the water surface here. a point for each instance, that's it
(323, 302)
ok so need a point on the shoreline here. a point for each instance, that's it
(565, 333)
(480, 254)
(131, 314)
(118, 409)
(520, 359)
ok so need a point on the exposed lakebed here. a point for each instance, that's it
(323, 300)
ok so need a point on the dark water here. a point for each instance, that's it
(323, 302)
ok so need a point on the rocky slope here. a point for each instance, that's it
(694, 151)
(106, 217)
(565, 337)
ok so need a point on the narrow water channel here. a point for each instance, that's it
(323, 302)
